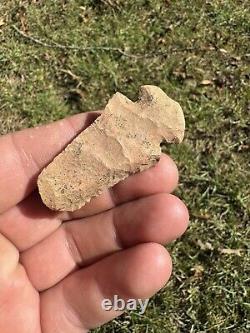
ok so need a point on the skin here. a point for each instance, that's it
(56, 268)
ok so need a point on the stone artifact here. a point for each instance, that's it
(124, 140)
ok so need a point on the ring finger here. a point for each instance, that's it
(158, 218)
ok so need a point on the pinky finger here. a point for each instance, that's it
(76, 304)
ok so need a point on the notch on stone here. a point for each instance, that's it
(124, 140)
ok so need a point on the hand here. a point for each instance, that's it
(56, 268)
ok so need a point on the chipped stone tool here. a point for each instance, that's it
(124, 140)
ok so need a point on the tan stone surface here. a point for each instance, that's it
(124, 140)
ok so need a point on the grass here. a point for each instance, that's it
(198, 52)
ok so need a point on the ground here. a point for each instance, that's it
(63, 57)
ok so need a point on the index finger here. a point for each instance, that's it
(25, 153)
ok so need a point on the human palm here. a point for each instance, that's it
(56, 268)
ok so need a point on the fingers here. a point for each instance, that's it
(30, 221)
(163, 177)
(19, 302)
(9, 257)
(158, 218)
(75, 304)
(25, 153)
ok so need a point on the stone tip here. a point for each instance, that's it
(166, 112)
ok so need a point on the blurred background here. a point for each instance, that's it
(63, 57)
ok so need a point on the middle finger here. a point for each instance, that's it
(159, 218)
